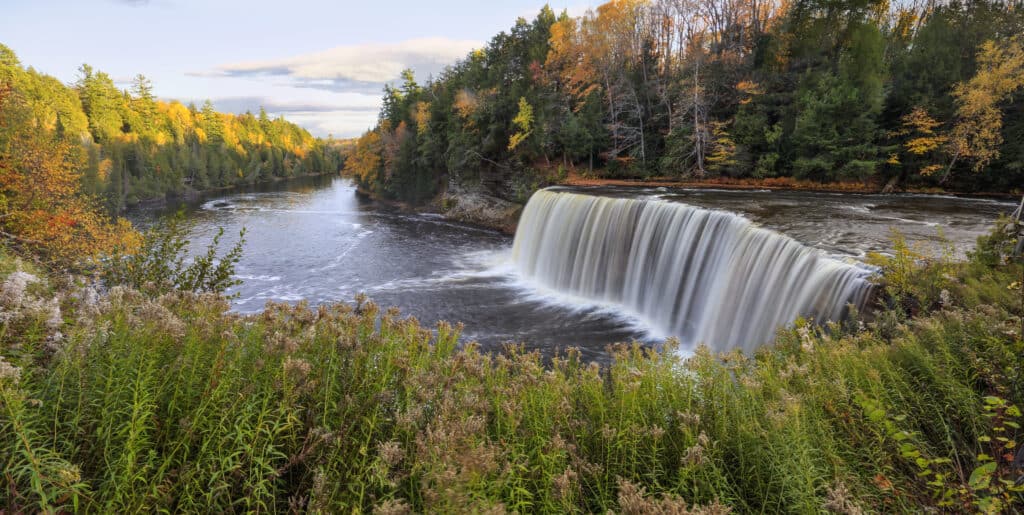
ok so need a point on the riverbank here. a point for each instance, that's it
(465, 205)
(478, 207)
(192, 195)
(772, 183)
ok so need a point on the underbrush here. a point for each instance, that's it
(166, 401)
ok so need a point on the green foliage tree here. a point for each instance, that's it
(137, 147)
(814, 89)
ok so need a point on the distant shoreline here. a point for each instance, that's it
(192, 195)
(780, 183)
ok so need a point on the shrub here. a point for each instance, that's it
(163, 264)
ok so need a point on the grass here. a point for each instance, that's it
(172, 403)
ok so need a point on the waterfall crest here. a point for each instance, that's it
(703, 276)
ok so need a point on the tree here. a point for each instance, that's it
(41, 207)
(522, 124)
(924, 138)
(101, 101)
(144, 103)
(976, 134)
(364, 163)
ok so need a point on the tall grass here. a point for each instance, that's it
(172, 403)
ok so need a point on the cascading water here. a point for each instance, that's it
(703, 276)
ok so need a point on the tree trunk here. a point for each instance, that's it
(698, 137)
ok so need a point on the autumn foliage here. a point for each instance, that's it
(41, 206)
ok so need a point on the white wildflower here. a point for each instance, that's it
(806, 340)
(12, 292)
(9, 371)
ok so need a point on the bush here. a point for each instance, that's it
(162, 263)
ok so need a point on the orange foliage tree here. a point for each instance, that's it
(41, 206)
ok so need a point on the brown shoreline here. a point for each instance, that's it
(781, 183)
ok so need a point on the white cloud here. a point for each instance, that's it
(357, 67)
(340, 114)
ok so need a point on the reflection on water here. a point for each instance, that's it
(316, 239)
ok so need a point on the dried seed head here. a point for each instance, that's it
(391, 452)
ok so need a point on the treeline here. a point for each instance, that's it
(895, 94)
(134, 147)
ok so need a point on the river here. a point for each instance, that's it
(315, 239)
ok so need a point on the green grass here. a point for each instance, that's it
(172, 403)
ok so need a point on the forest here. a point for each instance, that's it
(893, 95)
(128, 146)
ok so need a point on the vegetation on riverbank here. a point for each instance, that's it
(872, 95)
(149, 399)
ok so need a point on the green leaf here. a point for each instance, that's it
(981, 476)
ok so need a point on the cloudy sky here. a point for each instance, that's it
(320, 63)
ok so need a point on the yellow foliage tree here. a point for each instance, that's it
(724, 154)
(41, 207)
(523, 123)
(977, 132)
(924, 136)
(364, 162)
(422, 117)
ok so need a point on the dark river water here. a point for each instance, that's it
(315, 239)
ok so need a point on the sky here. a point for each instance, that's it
(319, 63)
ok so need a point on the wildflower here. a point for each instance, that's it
(702, 439)
(318, 494)
(163, 319)
(53, 319)
(392, 507)
(53, 342)
(9, 371)
(391, 452)
(806, 339)
(634, 500)
(792, 370)
(945, 298)
(656, 432)
(69, 474)
(564, 482)
(297, 368)
(12, 292)
(688, 419)
(750, 382)
(839, 500)
(608, 432)
(557, 443)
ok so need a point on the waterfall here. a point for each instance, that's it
(703, 276)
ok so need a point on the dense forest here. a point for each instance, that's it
(128, 146)
(903, 94)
